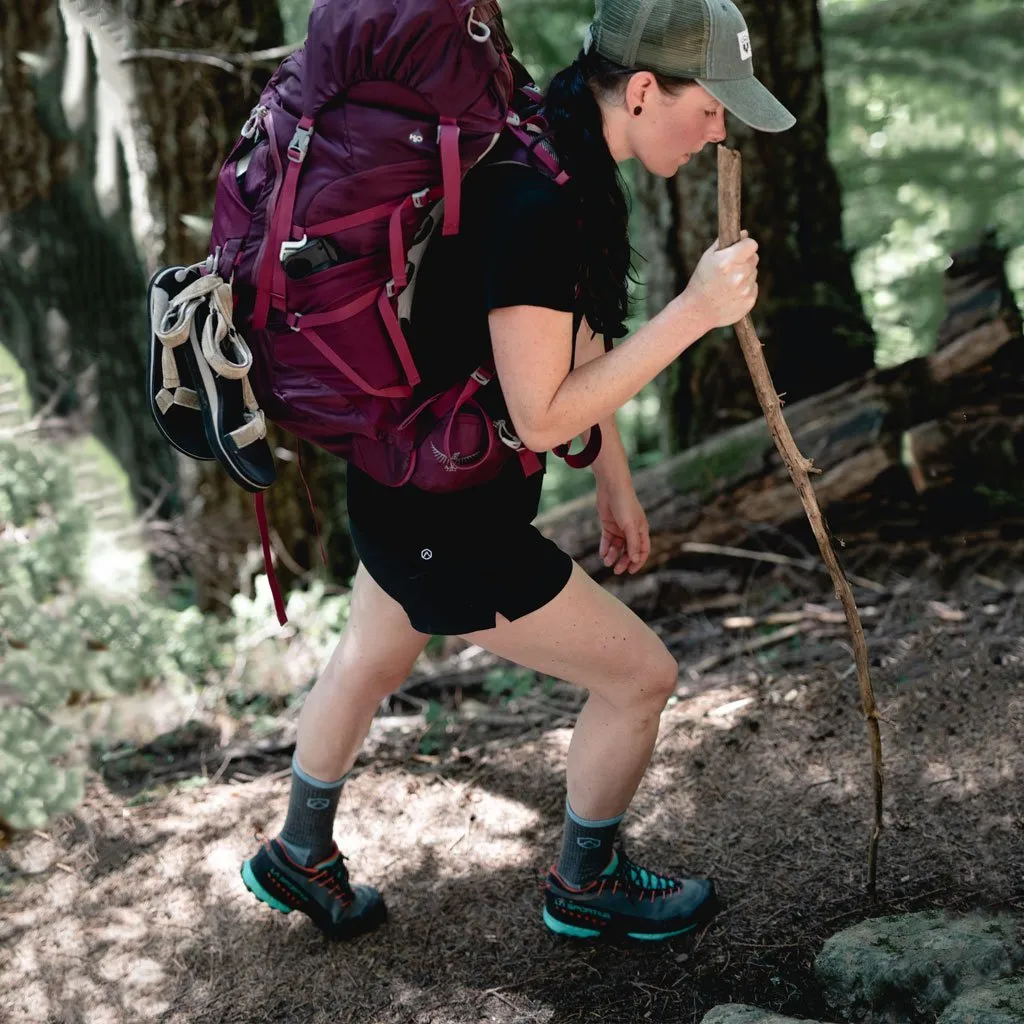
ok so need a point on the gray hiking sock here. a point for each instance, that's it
(308, 832)
(587, 847)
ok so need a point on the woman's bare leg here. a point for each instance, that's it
(373, 658)
(588, 637)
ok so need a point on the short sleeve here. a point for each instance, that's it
(530, 243)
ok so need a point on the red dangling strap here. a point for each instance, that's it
(268, 560)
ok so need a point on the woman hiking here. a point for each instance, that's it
(652, 83)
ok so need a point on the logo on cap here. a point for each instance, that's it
(744, 38)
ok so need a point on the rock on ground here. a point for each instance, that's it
(738, 1013)
(1001, 1003)
(916, 963)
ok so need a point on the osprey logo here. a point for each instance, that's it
(451, 463)
(587, 842)
(318, 803)
(744, 38)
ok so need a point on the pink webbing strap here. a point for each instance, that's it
(479, 378)
(268, 559)
(529, 461)
(312, 506)
(412, 375)
(397, 245)
(451, 173)
(561, 177)
(352, 220)
(271, 282)
(357, 220)
(304, 324)
(300, 321)
(398, 391)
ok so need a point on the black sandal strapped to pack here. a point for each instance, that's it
(172, 393)
(198, 320)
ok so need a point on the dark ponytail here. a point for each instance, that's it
(574, 116)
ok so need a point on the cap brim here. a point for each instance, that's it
(751, 102)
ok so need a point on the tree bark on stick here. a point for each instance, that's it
(729, 183)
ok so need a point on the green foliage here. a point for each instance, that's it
(295, 15)
(509, 684)
(42, 533)
(60, 643)
(926, 118)
(33, 785)
(438, 720)
(318, 616)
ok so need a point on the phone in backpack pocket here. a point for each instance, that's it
(302, 259)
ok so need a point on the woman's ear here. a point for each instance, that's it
(638, 89)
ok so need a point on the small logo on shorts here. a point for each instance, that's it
(426, 554)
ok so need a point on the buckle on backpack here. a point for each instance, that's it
(290, 248)
(419, 199)
(299, 145)
(480, 377)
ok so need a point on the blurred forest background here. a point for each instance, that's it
(132, 598)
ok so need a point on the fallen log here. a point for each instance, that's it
(925, 449)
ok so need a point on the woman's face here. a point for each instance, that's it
(672, 127)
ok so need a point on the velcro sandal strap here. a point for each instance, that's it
(253, 430)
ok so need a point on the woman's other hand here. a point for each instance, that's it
(625, 535)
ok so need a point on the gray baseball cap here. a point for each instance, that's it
(706, 40)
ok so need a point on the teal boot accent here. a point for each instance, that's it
(627, 901)
(322, 891)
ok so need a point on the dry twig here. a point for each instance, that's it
(729, 182)
(222, 61)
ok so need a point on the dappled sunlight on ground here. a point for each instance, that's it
(129, 912)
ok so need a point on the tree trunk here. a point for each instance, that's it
(107, 170)
(929, 449)
(809, 315)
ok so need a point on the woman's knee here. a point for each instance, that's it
(648, 678)
(662, 674)
(371, 668)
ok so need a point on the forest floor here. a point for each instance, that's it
(132, 908)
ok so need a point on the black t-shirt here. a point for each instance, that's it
(517, 246)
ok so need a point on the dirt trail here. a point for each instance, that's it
(137, 913)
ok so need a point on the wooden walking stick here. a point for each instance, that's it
(729, 181)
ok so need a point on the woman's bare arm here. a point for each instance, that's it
(611, 467)
(549, 404)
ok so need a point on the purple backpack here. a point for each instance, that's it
(354, 155)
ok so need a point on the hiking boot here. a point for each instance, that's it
(322, 892)
(628, 901)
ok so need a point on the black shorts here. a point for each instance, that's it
(453, 572)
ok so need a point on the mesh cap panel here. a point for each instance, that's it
(667, 36)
